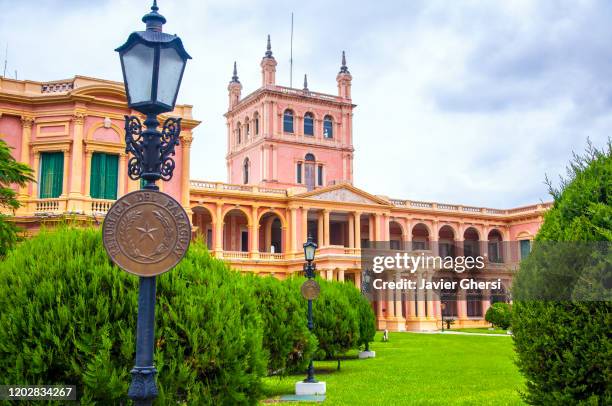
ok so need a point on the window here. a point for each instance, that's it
(238, 135)
(309, 171)
(328, 127)
(51, 174)
(104, 170)
(525, 248)
(256, 123)
(245, 171)
(320, 175)
(298, 172)
(248, 128)
(288, 121)
(308, 124)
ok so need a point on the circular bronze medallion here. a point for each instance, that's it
(310, 289)
(146, 232)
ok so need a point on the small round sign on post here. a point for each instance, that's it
(310, 289)
(146, 232)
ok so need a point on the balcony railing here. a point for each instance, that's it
(54, 206)
(101, 206)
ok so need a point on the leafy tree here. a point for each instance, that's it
(365, 314)
(563, 344)
(11, 173)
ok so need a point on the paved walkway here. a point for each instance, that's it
(459, 333)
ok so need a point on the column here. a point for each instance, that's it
(274, 162)
(398, 298)
(430, 301)
(121, 176)
(320, 228)
(76, 175)
(293, 229)
(304, 225)
(268, 234)
(420, 296)
(377, 227)
(379, 312)
(36, 174)
(434, 238)
(26, 134)
(218, 230)
(341, 275)
(254, 233)
(371, 228)
(357, 223)
(326, 238)
(390, 301)
(410, 313)
(186, 158)
(88, 155)
(67, 159)
(461, 305)
(358, 280)
(351, 231)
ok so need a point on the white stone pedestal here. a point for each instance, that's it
(306, 388)
(367, 354)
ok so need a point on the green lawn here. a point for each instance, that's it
(422, 369)
(481, 330)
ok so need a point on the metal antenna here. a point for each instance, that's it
(5, 60)
(291, 55)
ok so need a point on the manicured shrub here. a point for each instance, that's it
(365, 314)
(500, 315)
(286, 338)
(68, 317)
(336, 321)
(564, 346)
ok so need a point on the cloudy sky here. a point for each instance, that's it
(468, 102)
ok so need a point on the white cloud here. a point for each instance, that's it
(468, 102)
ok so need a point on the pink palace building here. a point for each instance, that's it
(290, 174)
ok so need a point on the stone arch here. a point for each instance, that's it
(204, 219)
(421, 236)
(275, 211)
(236, 230)
(240, 208)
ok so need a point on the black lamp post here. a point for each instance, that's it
(153, 63)
(310, 249)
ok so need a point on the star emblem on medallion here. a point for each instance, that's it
(146, 231)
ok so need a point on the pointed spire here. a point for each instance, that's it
(235, 75)
(269, 48)
(153, 19)
(343, 67)
(305, 83)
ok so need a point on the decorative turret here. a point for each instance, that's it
(268, 66)
(344, 79)
(234, 88)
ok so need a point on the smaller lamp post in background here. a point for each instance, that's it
(310, 291)
(310, 248)
(442, 307)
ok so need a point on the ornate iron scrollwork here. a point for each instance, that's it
(151, 150)
(169, 139)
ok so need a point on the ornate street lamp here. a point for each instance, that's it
(310, 290)
(153, 63)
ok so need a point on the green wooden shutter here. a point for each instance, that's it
(51, 174)
(95, 183)
(110, 186)
(103, 182)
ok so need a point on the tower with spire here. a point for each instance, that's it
(289, 137)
